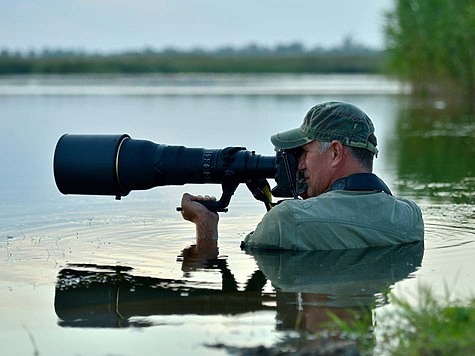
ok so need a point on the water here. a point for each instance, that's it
(94, 276)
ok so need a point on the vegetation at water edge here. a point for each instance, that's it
(431, 43)
(291, 58)
(433, 327)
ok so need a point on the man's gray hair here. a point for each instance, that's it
(361, 155)
(324, 146)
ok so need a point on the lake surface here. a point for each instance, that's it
(88, 275)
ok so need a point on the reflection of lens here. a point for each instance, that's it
(110, 297)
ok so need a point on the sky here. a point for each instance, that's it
(117, 25)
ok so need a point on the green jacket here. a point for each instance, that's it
(339, 219)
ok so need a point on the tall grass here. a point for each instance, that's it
(432, 43)
(430, 327)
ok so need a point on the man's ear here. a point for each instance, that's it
(338, 151)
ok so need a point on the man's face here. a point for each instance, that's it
(316, 168)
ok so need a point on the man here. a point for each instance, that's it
(345, 206)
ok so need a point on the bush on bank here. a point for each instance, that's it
(432, 327)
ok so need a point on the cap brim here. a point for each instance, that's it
(289, 139)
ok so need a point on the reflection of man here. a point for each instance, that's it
(311, 284)
(346, 206)
(308, 286)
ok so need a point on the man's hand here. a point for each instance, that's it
(195, 212)
(206, 221)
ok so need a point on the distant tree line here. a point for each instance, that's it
(432, 44)
(346, 47)
(349, 57)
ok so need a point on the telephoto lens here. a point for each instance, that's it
(117, 164)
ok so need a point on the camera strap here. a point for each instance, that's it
(360, 182)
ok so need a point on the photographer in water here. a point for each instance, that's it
(345, 206)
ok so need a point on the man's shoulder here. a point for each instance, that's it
(339, 220)
(338, 202)
(333, 197)
(316, 207)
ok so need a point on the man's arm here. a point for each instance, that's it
(206, 222)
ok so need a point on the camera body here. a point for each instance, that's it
(117, 164)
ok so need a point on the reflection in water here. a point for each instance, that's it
(107, 296)
(310, 284)
(435, 153)
(307, 286)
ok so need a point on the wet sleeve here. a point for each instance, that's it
(273, 231)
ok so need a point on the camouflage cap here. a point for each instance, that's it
(331, 121)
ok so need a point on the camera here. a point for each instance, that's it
(117, 164)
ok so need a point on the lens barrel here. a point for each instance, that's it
(87, 164)
(118, 164)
